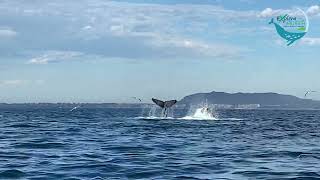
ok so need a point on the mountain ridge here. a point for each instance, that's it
(265, 99)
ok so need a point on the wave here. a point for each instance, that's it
(12, 174)
(35, 145)
(198, 118)
(155, 118)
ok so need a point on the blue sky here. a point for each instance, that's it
(109, 51)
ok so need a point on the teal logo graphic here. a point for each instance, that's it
(291, 27)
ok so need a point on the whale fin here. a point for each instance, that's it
(271, 21)
(164, 104)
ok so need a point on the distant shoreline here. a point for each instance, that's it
(217, 100)
(124, 106)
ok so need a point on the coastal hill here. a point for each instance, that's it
(262, 100)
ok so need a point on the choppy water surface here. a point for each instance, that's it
(114, 144)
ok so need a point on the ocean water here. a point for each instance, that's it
(115, 144)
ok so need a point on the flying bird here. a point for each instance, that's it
(76, 107)
(308, 92)
(137, 99)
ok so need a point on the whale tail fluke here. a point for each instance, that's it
(164, 104)
(271, 21)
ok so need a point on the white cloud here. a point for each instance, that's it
(39, 60)
(12, 82)
(141, 31)
(311, 41)
(131, 30)
(87, 27)
(268, 12)
(195, 49)
(20, 82)
(39, 81)
(136, 30)
(313, 10)
(55, 56)
(7, 32)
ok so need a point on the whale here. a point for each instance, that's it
(289, 36)
(164, 105)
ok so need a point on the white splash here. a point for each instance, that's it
(203, 113)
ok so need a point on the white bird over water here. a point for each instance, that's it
(74, 108)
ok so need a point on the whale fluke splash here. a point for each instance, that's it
(164, 105)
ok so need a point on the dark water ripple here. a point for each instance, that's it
(111, 144)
